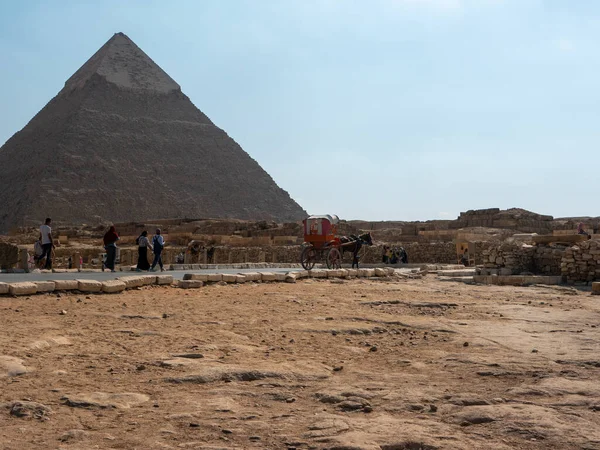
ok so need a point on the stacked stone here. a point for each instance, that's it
(582, 262)
(508, 259)
(547, 260)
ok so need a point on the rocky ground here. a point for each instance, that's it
(411, 364)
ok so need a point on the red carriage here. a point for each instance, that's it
(321, 242)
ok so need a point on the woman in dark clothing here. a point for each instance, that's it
(143, 245)
(110, 245)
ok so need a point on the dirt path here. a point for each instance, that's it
(319, 364)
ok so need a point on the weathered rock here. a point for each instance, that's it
(268, 276)
(164, 279)
(4, 288)
(89, 285)
(11, 366)
(113, 286)
(105, 400)
(27, 409)
(24, 288)
(190, 284)
(229, 277)
(65, 285)
(132, 281)
(215, 277)
(317, 273)
(196, 277)
(253, 276)
(44, 286)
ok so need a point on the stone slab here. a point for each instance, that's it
(164, 279)
(44, 286)
(196, 276)
(89, 286)
(279, 276)
(190, 284)
(268, 276)
(4, 288)
(24, 288)
(229, 277)
(65, 285)
(253, 276)
(132, 282)
(215, 277)
(113, 286)
(317, 273)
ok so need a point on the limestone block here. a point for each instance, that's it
(317, 273)
(148, 280)
(279, 276)
(44, 286)
(113, 286)
(24, 288)
(334, 273)
(351, 273)
(302, 274)
(4, 288)
(190, 284)
(343, 273)
(369, 272)
(290, 277)
(239, 278)
(132, 282)
(89, 286)
(164, 279)
(380, 272)
(268, 276)
(229, 277)
(65, 285)
(361, 273)
(196, 276)
(253, 276)
(596, 288)
(215, 277)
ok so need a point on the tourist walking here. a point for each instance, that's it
(47, 243)
(158, 243)
(110, 245)
(143, 244)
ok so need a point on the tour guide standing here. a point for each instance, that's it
(110, 245)
(158, 243)
(47, 243)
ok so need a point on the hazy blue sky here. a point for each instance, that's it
(378, 109)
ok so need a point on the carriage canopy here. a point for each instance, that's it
(320, 228)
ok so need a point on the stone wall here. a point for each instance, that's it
(9, 255)
(517, 258)
(582, 262)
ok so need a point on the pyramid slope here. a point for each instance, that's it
(104, 150)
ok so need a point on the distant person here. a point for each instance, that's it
(465, 258)
(581, 229)
(403, 255)
(143, 244)
(110, 245)
(159, 243)
(47, 243)
(395, 254)
(384, 255)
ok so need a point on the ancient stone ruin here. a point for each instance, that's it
(121, 142)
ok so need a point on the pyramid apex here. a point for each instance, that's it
(121, 62)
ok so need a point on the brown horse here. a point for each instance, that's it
(353, 244)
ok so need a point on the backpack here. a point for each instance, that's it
(157, 246)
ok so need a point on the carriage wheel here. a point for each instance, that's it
(334, 259)
(308, 258)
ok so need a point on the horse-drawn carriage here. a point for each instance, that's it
(321, 242)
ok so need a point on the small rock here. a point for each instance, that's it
(141, 367)
(226, 431)
(290, 400)
(254, 438)
(373, 348)
(367, 408)
(534, 350)
(433, 408)
(194, 425)
(466, 344)
(165, 315)
(338, 368)
(63, 312)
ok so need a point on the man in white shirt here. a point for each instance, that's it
(47, 243)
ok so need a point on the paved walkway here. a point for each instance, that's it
(102, 276)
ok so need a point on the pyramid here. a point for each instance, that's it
(121, 142)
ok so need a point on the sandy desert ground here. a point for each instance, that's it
(320, 364)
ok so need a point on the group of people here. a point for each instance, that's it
(394, 255)
(43, 248)
(156, 246)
